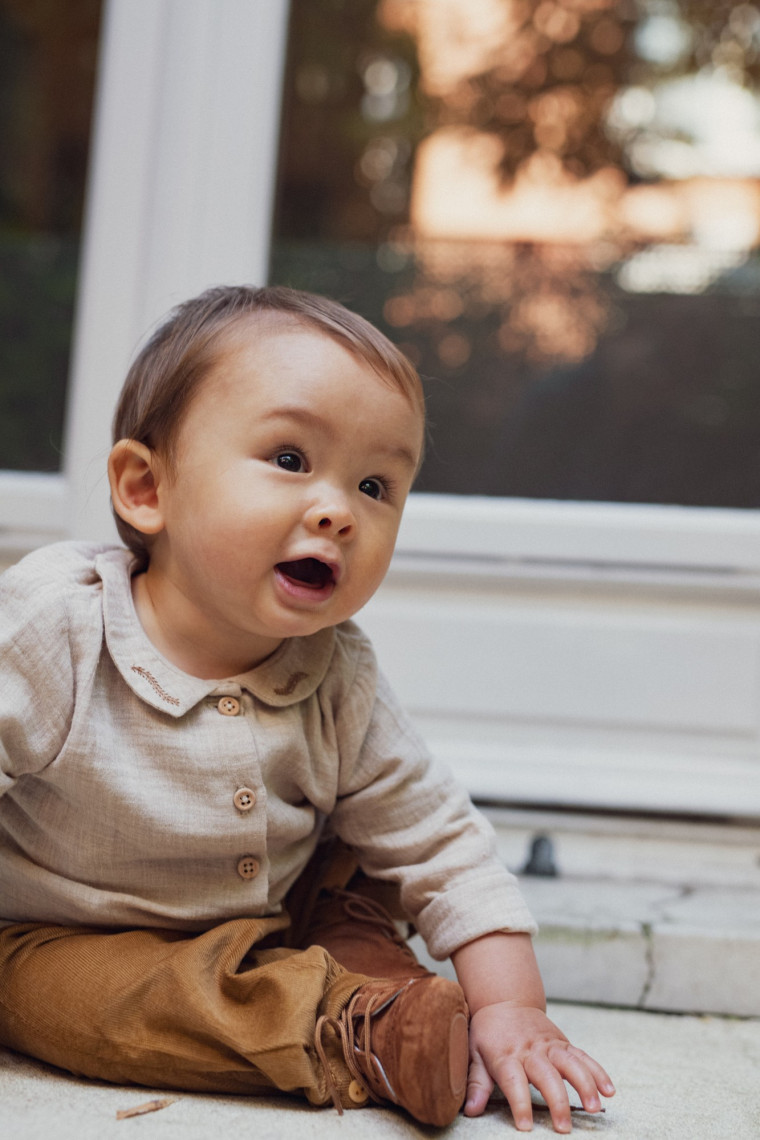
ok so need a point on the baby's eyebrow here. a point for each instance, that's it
(399, 452)
(402, 453)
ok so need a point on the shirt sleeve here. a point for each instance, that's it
(411, 822)
(36, 673)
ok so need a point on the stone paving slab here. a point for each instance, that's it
(633, 945)
(659, 916)
(649, 947)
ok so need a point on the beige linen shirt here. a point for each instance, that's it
(135, 795)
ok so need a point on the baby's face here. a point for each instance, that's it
(294, 462)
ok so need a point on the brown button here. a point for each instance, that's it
(357, 1093)
(244, 799)
(248, 867)
(228, 706)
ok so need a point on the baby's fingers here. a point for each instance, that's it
(545, 1077)
(512, 1079)
(600, 1075)
(548, 1074)
(585, 1075)
(479, 1088)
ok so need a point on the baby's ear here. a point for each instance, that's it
(133, 471)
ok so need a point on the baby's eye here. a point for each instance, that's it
(289, 461)
(372, 487)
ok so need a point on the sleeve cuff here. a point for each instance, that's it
(469, 911)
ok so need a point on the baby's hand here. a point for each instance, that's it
(514, 1046)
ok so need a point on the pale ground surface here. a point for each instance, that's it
(642, 917)
(691, 1078)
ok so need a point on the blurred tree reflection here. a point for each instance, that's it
(349, 124)
(569, 248)
(546, 84)
(48, 57)
(553, 67)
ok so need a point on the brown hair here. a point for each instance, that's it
(168, 371)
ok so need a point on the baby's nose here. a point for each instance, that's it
(332, 518)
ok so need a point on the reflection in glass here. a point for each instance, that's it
(554, 206)
(48, 52)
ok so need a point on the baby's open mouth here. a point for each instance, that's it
(308, 572)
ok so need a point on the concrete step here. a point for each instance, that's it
(647, 914)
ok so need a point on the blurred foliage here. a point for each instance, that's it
(48, 53)
(719, 33)
(344, 161)
(544, 377)
(665, 409)
(549, 86)
(37, 285)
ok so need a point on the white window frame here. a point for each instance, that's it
(180, 197)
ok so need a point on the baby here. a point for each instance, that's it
(209, 797)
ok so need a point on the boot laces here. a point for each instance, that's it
(371, 1075)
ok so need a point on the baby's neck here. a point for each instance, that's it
(194, 651)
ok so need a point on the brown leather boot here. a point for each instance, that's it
(359, 933)
(407, 1045)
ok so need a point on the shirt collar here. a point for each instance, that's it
(293, 672)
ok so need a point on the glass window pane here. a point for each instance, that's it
(554, 206)
(48, 55)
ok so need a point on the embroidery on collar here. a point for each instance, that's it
(155, 685)
(288, 688)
